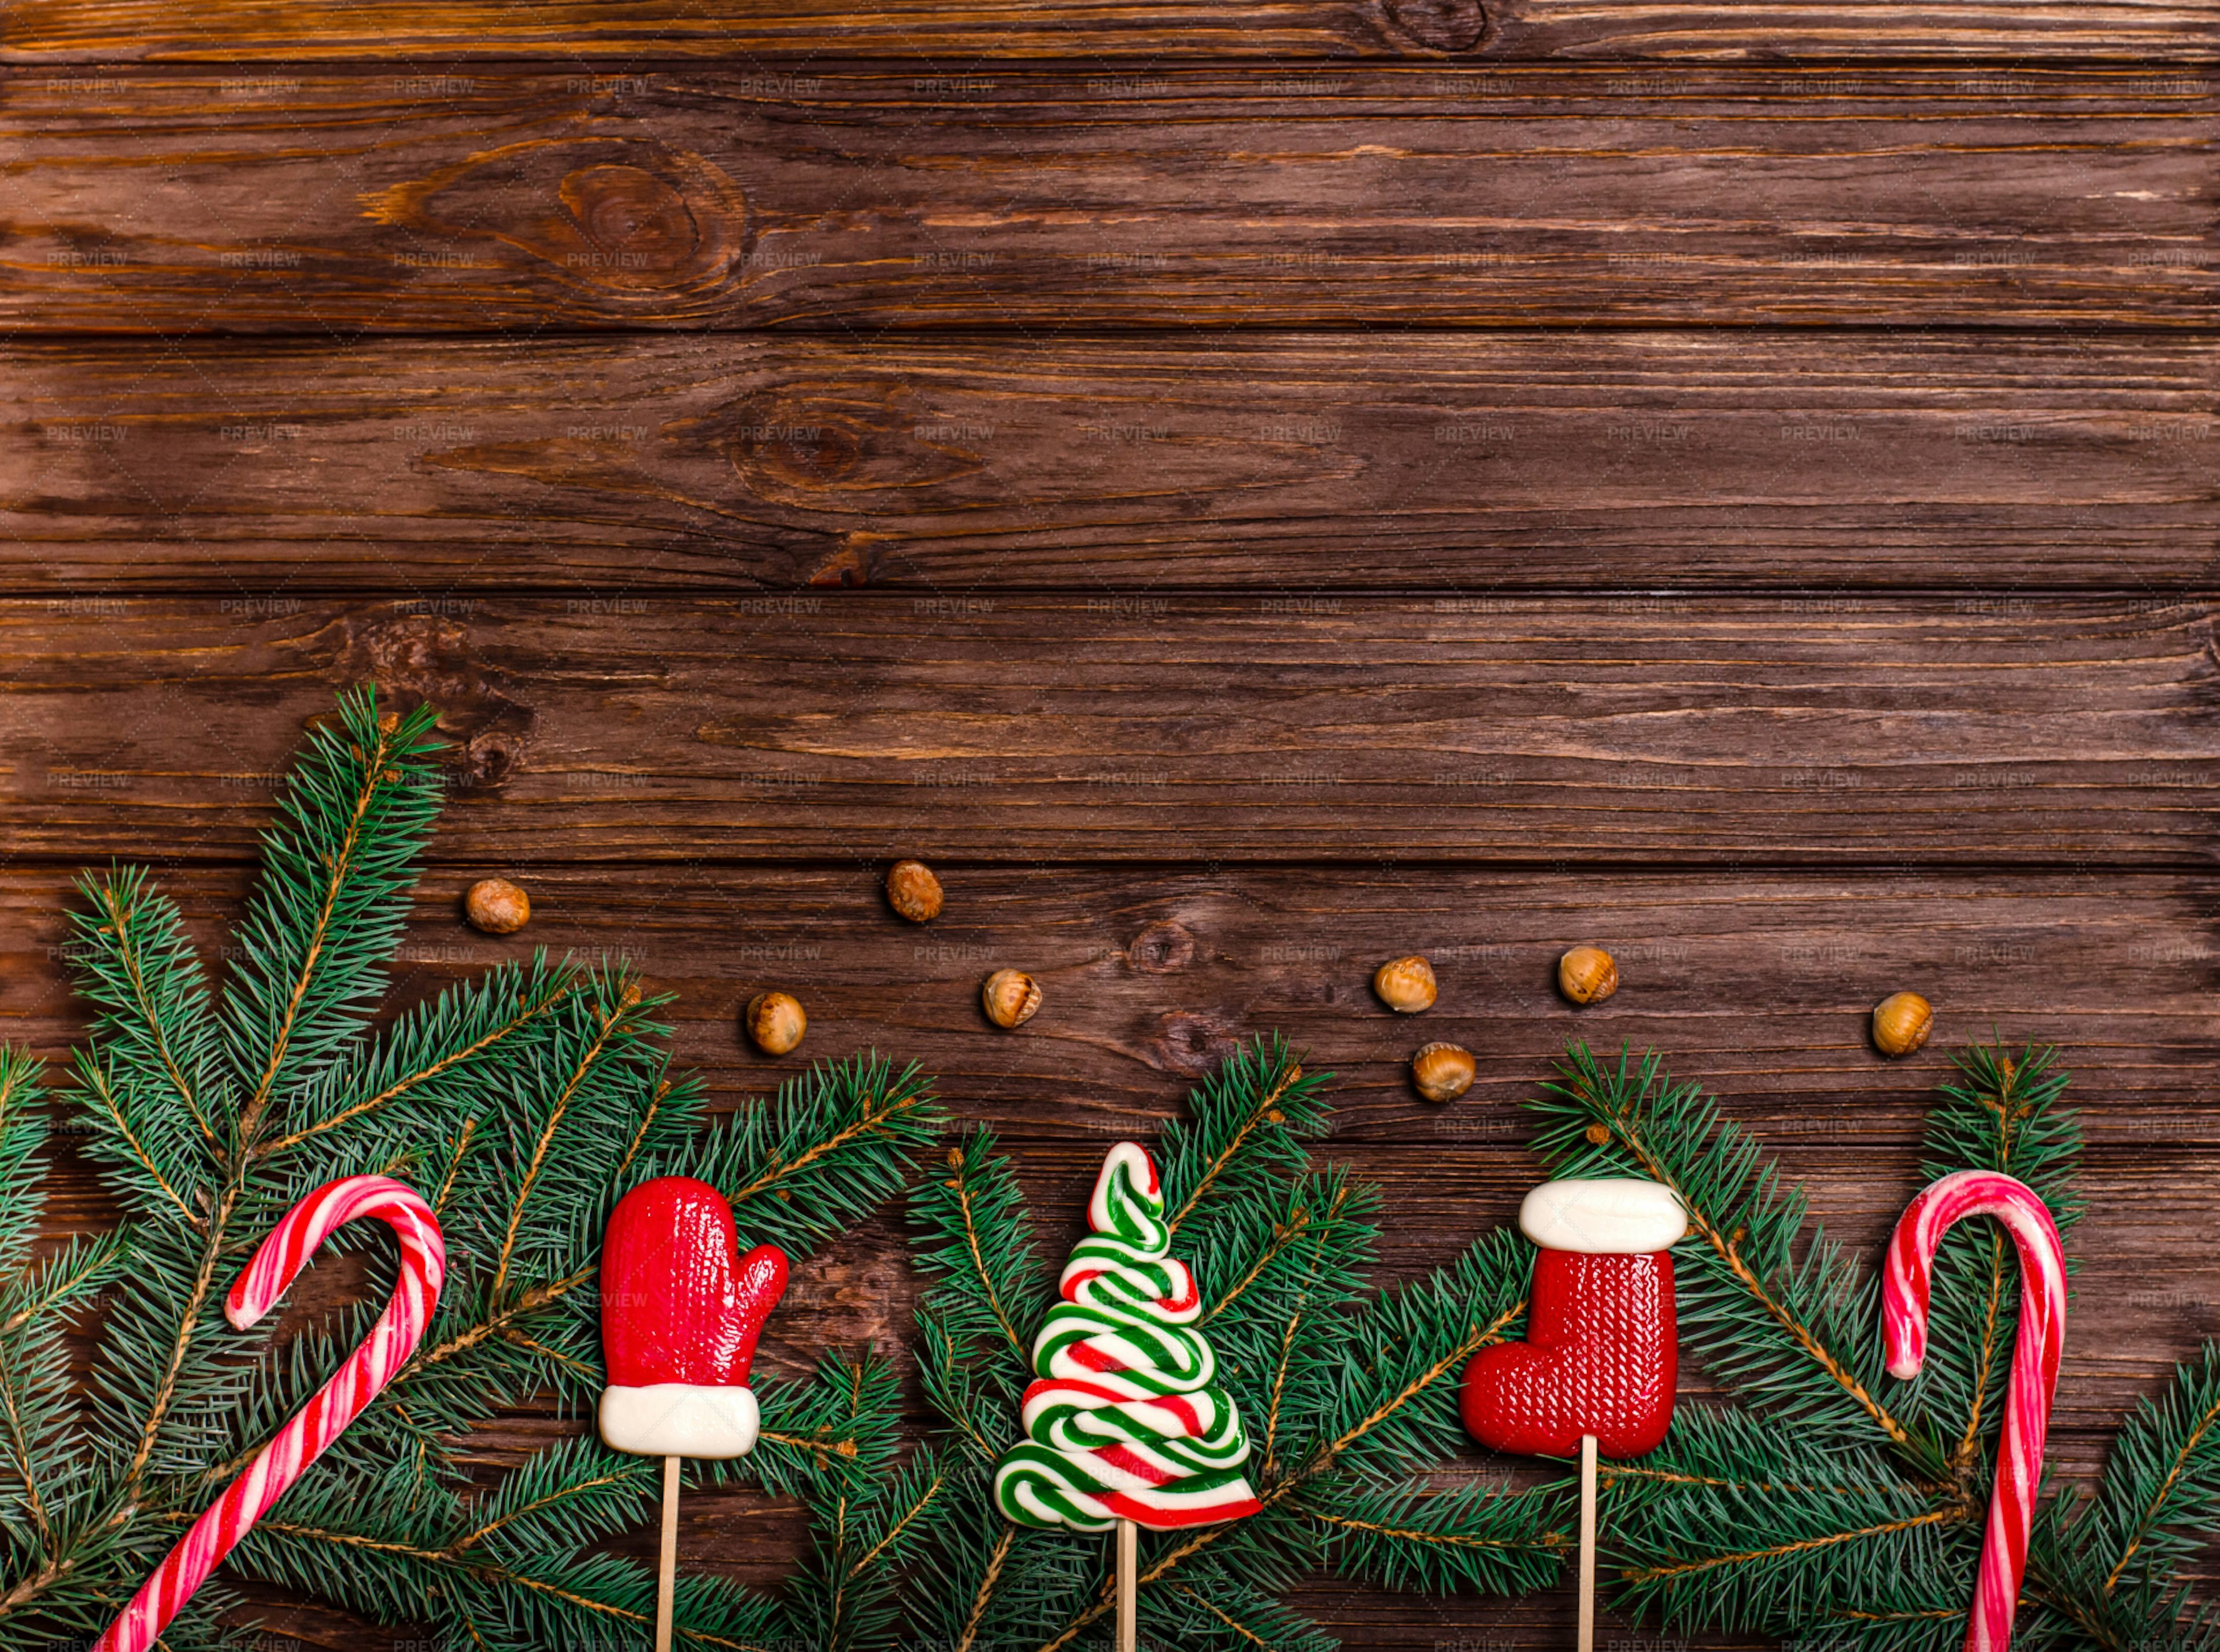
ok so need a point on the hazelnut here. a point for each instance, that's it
(1406, 985)
(1587, 975)
(1010, 997)
(497, 906)
(774, 1021)
(913, 891)
(1901, 1022)
(1442, 1072)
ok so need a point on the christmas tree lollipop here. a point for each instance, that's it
(1126, 1426)
(1597, 1370)
(681, 1310)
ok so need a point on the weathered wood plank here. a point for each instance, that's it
(426, 37)
(1478, 464)
(1760, 983)
(1906, 730)
(340, 205)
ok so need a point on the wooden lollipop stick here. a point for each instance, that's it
(666, 1563)
(1588, 1541)
(1128, 1549)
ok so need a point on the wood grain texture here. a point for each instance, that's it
(1756, 985)
(1478, 464)
(421, 34)
(1039, 730)
(1759, 983)
(1049, 200)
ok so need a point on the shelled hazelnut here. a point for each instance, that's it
(1442, 1072)
(1587, 975)
(1010, 997)
(1901, 1022)
(1406, 985)
(774, 1021)
(913, 891)
(496, 906)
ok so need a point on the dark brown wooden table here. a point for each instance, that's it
(1247, 490)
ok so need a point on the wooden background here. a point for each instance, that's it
(1247, 489)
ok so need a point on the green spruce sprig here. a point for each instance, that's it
(1347, 1395)
(521, 1104)
(1830, 1503)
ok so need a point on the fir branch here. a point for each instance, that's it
(974, 1243)
(526, 1101)
(831, 1146)
(135, 962)
(452, 1040)
(358, 807)
(1348, 1396)
(1229, 1611)
(1410, 1346)
(129, 1144)
(1774, 1326)
(844, 1596)
(1813, 1504)
(1997, 1113)
(838, 1430)
(65, 1282)
(1000, 1554)
(588, 1597)
(1477, 1536)
(1250, 1119)
(607, 1020)
(976, 1212)
(2161, 1488)
(1677, 1570)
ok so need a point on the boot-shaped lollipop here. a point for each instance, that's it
(680, 1311)
(1597, 1370)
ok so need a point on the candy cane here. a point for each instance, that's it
(2034, 1369)
(339, 1402)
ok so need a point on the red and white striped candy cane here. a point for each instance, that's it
(2034, 1368)
(339, 1402)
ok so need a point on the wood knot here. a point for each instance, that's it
(804, 450)
(623, 217)
(811, 444)
(1161, 948)
(486, 760)
(1190, 1044)
(638, 229)
(1439, 25)
(415, 657)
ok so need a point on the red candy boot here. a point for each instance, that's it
(1600, 1355)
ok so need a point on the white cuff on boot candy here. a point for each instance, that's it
(680, 1419)
(1608, 1217)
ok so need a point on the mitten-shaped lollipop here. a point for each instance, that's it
(680, 1311)
(1597, 1370)
(1126, 1425)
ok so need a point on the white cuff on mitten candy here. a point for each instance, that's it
(680, 1419)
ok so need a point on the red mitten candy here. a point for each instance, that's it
(680, 1311)
(1600, 1355)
